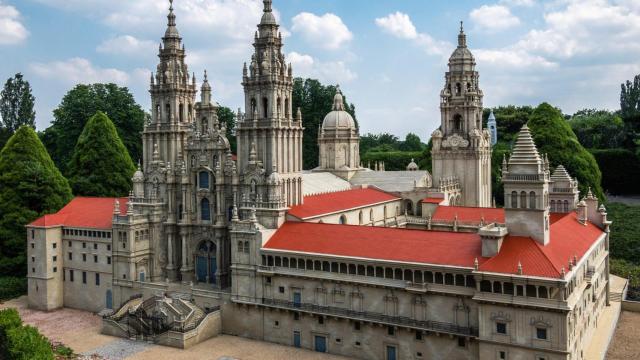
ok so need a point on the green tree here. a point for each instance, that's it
(553, 136)
(315, 100)
(630, 98)
(598, 129)
(16, 104)
(101, 165)
(30, 186)
(226, 116)
(411, 142)
(80, 104)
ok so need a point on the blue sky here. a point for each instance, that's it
(389, 56)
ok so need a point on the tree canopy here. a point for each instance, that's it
(30, 186)
(16, 104)
(80, 104)
(315, 100)
(100, 165)
(599, 129)
(554, 137)
(226, 116)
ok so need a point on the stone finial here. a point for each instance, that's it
(462, 37)
(476, 264)
(156, 153)
(116, 207)
(299, 115)
(234, 213)
(252, 216)
(519, 268)
(562, 273)
(253, 153)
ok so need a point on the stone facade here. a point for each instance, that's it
(198, 223)
(462, 147)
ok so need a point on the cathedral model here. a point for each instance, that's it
(343, 259)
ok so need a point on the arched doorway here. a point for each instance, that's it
(409, 207)
(206, 265)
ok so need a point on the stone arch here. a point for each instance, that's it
(408, 205)
(523, 199)
(343, 219)
(514, 199)
(532, 200)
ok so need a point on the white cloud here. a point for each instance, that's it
(78, 70)
(332, 72)
(493, 18)
(523, 3)
(127, 45)
(12, 31)
(587, 28)
(512, 58)
(400, 25)
(326, 31)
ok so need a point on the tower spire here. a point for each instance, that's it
(172, 30)
(462, 37)
(267, 5)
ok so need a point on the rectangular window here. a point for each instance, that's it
(84, 257)
(320, 320)
(108, 260)
(95, 258)
(55, 245)
(418, 335)
(84, 245)
(70, 244)
(33, 259)
(108, 247)
(55, 259)
(95, 246)
(462, 342)
(356, 325)
(70, 256)
(281, 289)
(97, 279)
(33, 234)
(296, 316)
(71, 275)
(502, 355)
(33, 246)
(541, 333)
(84, 277)
(501, 328)
(391, 330)
(33, 269)
(55, 269)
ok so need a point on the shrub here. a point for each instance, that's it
(26, 343)
(620, 170)
(12, 287)
(9, 319)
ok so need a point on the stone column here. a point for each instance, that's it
(184, 253)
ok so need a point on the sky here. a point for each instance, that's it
(389, 56)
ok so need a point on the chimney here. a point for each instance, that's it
(492, 237)
(582, 212)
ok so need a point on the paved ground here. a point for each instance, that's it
(625, 345)
(80, 330)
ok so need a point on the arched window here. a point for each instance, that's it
(205, 210)
(532, 200)
(523, 200)
(553, 206)
(167, 110)
(253, 107)
(343, 219)
(279, 107)
(514, 200)
(204, 180)
(458, 89)
(566, 206)
(457, 122)
(181, 112)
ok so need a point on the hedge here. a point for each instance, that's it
(620, 170)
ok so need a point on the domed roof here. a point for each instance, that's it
(338, 118)
(412, 166)
(267, 16)
(462, 58)
(138, 176)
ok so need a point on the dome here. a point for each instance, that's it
(412, 166)
(338, 118)
(138, 176)
(267, 16)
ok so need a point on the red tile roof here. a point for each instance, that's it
(469, 214)
(569, 238)
(84, 212)
(419, 246)
(433, 200)
(329, 203)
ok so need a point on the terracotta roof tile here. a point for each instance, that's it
(84, 212)
(469, 214)
(316, 205)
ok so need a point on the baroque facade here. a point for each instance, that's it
(343, 259)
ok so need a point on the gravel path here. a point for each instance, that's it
(624, 345)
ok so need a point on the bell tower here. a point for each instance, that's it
(173, 94)
(270, 135)
(462, 147)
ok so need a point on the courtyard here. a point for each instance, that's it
(80, 330)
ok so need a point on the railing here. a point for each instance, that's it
(561, 190)
(429, 325)
(524, 177)
(182, 328)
